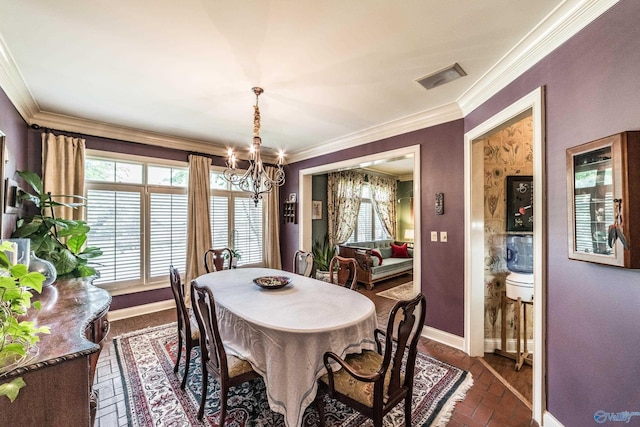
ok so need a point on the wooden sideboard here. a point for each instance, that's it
(60, 377)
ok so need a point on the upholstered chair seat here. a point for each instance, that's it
(366, 363)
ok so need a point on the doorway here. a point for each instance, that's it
(305, 237)
(532, 104)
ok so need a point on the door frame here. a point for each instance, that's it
(305, 202)
(474, 237)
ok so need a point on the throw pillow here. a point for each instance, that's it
(385, 252)
(377, 254)
(399, 251)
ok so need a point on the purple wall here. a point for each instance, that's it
(593, 312)
(15, 130)
(442, 264)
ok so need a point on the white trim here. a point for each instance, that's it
(474, 237)
(305, 199)
(106, 130)
(139, 310)
(134, 158)
(443, 337)
(550, 421)
(119, 288)
(14, 86)
(567, 19)
(422, 120)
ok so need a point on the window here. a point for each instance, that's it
(368, 226)
(235, 221)
(127, 200)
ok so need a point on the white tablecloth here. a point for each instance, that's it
(284, 332)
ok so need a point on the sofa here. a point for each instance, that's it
(376, 260)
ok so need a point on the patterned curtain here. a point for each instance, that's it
(343, 203)
(384, 194)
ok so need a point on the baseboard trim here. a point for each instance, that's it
(549, 420)
(139, 310)
(443, 337)
(490, 344)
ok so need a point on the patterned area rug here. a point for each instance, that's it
(400, 292)
(154, 398)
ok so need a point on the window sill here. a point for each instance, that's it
(116, 290)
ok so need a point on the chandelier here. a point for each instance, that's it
(255, 179)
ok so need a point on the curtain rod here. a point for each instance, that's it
(36, 126)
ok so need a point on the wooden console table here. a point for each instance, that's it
(60, 378)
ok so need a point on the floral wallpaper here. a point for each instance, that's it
(508, 151)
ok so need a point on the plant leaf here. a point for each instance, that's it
(64, 261)
(90, 252)
(33, 180)
(76, 243)
(33, 280)
(12, 388)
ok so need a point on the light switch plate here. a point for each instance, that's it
(443, 236)
(434, 236)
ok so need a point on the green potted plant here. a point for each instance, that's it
(59, 241)
(237, 255)
(323, 253)
(17, 337)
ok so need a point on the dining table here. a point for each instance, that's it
(283, 323)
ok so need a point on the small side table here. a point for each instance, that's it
(522, 355)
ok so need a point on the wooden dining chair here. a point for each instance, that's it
(345, 269)
(303, 263)
(229, 370)
(374, 382)
(218, 259)
(188, 332)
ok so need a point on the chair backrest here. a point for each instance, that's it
(211, 347)
(218, 259)
(401, 342)
(184, 325)
(303, 263)
(346, 269)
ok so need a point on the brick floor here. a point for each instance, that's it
(488, 402)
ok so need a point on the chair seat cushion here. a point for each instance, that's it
(237, 366)
(195, 331)
(367, 362)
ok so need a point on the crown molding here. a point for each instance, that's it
(557, 27)
(410, 123)
(105, 130)
(13, 84)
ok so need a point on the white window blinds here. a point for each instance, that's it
(114, 218)
(167, 233)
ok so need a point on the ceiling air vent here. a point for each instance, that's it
(441, 77)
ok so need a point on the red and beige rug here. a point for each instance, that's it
(154, 398)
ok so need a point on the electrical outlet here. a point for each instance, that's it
(434, 236)
(443, 236)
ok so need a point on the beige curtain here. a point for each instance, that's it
(384, 194)
(63, 172)
(198, 223)
(344, 191)
(271, 241)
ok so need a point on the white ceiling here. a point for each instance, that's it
(335, 72)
